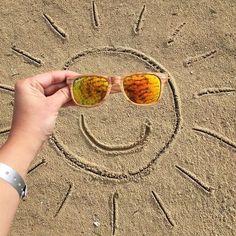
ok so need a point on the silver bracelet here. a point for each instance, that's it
(14, 179)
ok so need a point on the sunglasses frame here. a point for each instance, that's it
(116, 86)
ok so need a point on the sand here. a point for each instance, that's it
(119, 169)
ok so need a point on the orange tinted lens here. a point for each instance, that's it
(89, 90)
(142, 89)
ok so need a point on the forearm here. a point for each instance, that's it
(17, 153)
(37, 102)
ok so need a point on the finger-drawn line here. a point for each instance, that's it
(176, 32)
(28, 56)
(59, 31)
(95, 15)
(163, 208)
(214, 91)
(114, 212)
(71, 159)
(215, 135)
(74, 160)
(138, 25)
(191, 60)
(116, 149)
(194, 179)
(119, 50)
(4, 131)
(68, 193)
(43, 162)
(7, 88)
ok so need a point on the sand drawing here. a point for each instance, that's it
(98, 177)
(115, 197)
(194, 179)
(95, 16)
(175, 34)
(117, 149)
(67, 195)
(58, 30)
(163, 208)
(29, 58)
(216, 135)
(214, 91)
(40, 164)
(191, 60)
(76, 161)
(5, 131)
(138, 26)
(7, 88)
(119, 50)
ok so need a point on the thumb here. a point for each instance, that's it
(61, 97)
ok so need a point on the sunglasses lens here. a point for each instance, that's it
(143, 88)
(89, 90)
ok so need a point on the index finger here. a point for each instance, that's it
(53, 77)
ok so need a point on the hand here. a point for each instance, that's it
(37, 102)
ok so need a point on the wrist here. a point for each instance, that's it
(18, 152)
(28, 140)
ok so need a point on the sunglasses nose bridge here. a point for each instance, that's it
(115, 82)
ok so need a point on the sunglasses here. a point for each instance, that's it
(139, 88)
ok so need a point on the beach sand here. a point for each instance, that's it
(119, 169)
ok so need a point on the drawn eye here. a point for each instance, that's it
(118, 163)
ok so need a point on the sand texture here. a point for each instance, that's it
(119, 169)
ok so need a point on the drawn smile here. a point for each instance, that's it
(116, 149)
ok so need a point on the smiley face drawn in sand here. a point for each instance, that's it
(133, 150)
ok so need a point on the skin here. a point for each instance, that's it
(37, 102)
